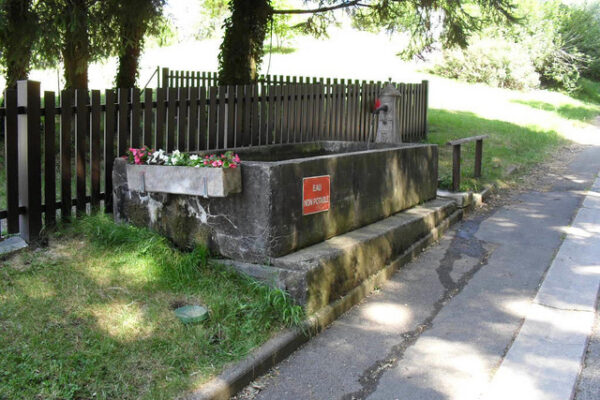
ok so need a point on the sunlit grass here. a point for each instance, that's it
(524, 128)
(90, 316)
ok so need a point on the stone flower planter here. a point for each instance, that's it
(205, 182)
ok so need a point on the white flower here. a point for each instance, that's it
(194, 157)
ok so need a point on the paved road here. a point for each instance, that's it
(442, 326)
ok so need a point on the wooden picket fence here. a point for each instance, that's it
(64, 146)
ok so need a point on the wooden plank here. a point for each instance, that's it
(221, 132)
(212, 118)
(350, 112)
(202, 120)
(327, 109)
(30, 165)
(363, 109)
(285, 114)
(81, 135)
(182, 139)
(148, 113)
(165, 78)
(466, 140)
(11, 148)
(123, 131)
(135, 129)
(264, 126)
(109, 146)
(356, 111)
(230, 117)
(187, 79)
(50, 158)
(192, 133)
(95, 167)
(275, 102)
(308, 112)
(246, 135)
(239, 115)
(297, 113)
(159, 119)
(66, 125)
(342, 111)
(171, 118)
(255, 137)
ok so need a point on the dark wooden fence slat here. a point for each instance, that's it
(81, 135)
(426, 106)
(221, 132)
(135, 130)
(230, 117)
(66, 121)
(273, 131)
(96, 114)
(11, 142)
(122, 131)
(109, 146)
(297, 103)
(255, 117)
(239, 115)
(50, 158)
(246, 135)
(159, 118)
(148, 113)
(171, 118)
(193, 118)
(182, 116)
(285, 114)
(212, 118)
(264, 127)
(202, 120)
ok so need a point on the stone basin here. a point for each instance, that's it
(267, 219)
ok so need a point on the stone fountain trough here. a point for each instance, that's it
(292, 197)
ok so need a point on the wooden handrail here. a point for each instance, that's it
(456, 157)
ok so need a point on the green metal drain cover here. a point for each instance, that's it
(191, 314)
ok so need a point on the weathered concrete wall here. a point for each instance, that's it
(266, 221)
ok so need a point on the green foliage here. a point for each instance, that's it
(18, 33)
(492, 61)
(561, 42)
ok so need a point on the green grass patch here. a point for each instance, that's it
(508, 145)
(91, 316)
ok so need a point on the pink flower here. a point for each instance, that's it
(233, 166)
(236, 158)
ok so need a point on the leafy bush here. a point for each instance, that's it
(491, 61)
(561, 42)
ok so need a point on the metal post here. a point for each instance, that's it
(30, 183)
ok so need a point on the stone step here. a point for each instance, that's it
(323, 273)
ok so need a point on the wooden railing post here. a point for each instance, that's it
(11, 140)
(30, 170)
(456, 167)
(478, 157)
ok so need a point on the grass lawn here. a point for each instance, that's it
(90, 316)
(524, 128)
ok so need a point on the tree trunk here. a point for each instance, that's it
(242, 47)
(18, 38)
(132, 36)
(76, 50)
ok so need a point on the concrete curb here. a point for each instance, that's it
(11, 245)
(286, 342)
(468, 200)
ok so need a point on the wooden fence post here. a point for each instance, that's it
(30, 170)
(165, 78)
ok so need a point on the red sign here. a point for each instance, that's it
(315, 194)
